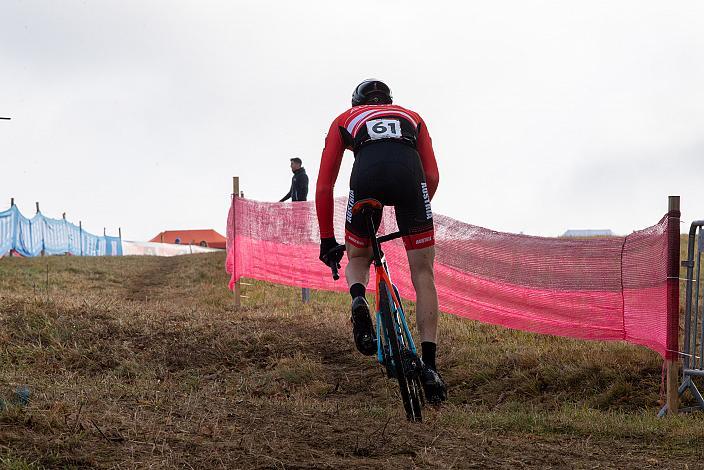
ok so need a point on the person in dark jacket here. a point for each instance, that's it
(299, 182)
(298, 192)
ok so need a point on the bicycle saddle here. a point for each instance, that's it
(369, 203)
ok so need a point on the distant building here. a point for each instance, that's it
(208, 238)
(586, 233)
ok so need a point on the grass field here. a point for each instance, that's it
(144, 362)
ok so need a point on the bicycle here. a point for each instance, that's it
(396, 350)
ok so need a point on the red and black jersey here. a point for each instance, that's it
(360, 126)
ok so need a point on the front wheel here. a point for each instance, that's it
(407, 380)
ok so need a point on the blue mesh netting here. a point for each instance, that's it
(29, 237)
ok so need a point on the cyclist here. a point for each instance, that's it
(395, 164)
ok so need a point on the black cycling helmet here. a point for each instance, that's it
(371, 91)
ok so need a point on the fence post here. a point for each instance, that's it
(68, 238)
(31, 231)
(235, 194)
(672, 358)
(12, 250)
(43, 244)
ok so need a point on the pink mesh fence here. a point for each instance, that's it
(614, 288)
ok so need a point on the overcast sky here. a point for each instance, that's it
(545, 115)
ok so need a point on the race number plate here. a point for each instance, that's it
(384, 129)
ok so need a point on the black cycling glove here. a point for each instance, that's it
(327, 244)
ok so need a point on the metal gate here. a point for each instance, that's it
(693, 353)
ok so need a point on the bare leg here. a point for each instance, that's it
(423, 277)
(421, 263)
(357, 270)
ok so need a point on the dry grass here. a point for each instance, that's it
(143, 362)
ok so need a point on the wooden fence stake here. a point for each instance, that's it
(673, 308)
(12, 204)
(235, 194)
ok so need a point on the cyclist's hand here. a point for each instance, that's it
(327, 244)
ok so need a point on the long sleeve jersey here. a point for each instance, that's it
(357, 127)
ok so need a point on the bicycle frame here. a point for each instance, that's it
(381, 270)
(396, 310)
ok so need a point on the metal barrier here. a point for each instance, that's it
(693, 353)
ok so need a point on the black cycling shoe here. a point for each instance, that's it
(362, 327)
(433, 386)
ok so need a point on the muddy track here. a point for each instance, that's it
(166, 373)
(147, 282)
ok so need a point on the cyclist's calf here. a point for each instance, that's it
(357, 270)
(421, 264)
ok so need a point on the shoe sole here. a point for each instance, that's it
(370, 348)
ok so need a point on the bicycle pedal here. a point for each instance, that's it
(414, 366)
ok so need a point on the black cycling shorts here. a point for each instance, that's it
(392, 173)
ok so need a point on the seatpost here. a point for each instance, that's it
(372, 236)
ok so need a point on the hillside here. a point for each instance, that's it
(144, 362)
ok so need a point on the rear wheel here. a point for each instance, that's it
(407, 382)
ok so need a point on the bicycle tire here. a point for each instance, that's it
(408, 389)
(415, 381)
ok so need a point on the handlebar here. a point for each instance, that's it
(335, 266)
